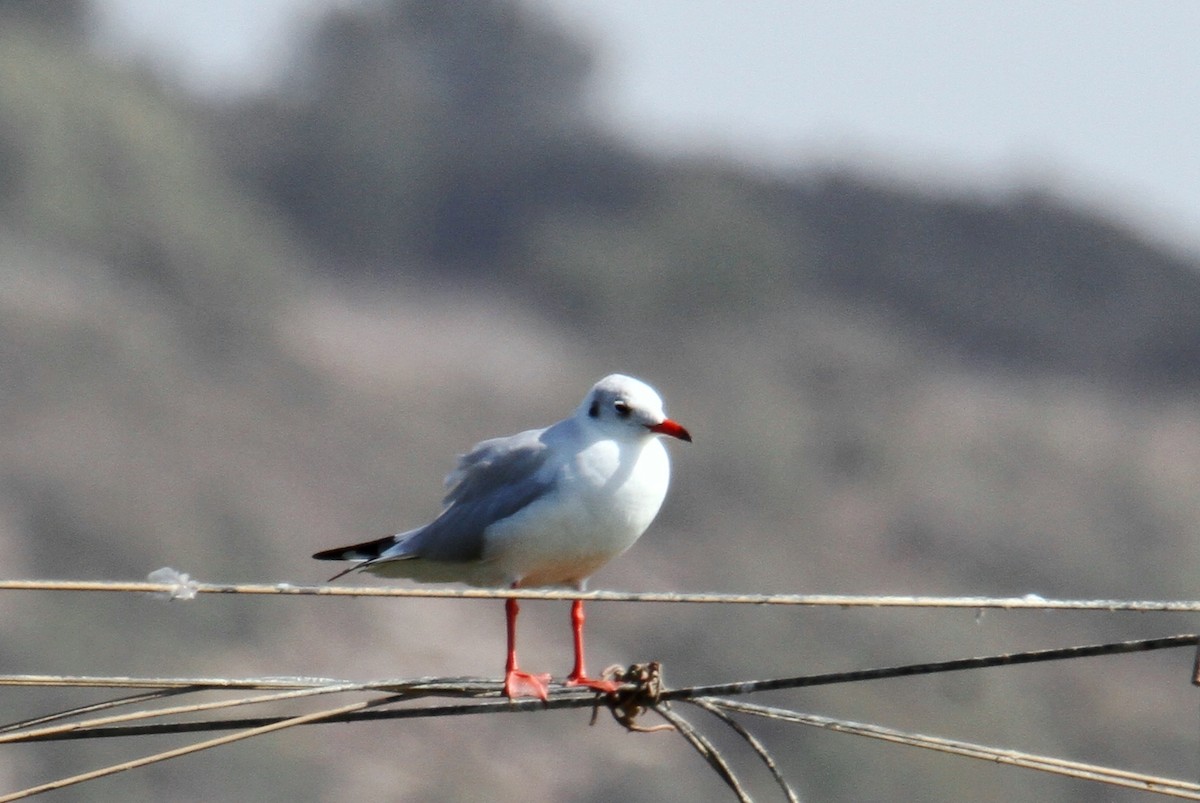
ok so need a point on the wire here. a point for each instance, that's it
(181, 751)
(1057, 766)
(706, 749)
(755, 744)
(560, 698)
(1029, 601)
(633, 699)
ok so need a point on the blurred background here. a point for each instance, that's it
(921, 279)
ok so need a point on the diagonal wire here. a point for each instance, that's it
(186, 750)
(1073, 769)
(926, 668)
(706, 749)
(754, 743)
(558, 700)
(165, 687)
(93, 707)
(43, 734)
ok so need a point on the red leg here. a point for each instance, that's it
(578, 676)
(516, 682)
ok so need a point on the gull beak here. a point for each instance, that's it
(672, 428)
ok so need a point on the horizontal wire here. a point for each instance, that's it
(564, 697)
(212, 684)
(473, 685)
(190, 588)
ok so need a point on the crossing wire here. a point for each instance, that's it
(485, 695)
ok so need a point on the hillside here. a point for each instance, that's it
(416, 139)
(891, 392)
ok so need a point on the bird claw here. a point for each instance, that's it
(522, 684)
(595, 684)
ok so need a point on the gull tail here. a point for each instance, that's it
(365, 553)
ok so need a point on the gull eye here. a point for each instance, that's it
(622, 407)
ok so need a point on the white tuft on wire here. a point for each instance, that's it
(182, 585)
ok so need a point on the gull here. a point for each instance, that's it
(544, 507)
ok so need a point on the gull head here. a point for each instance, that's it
(623, 405)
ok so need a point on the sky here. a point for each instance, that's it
(1097, 101)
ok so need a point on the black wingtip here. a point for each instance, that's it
(340, 553)
(367, 550)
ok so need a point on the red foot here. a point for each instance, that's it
(595, 684)
(522, 684)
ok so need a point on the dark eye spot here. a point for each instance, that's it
(594, 410)
(623, 409)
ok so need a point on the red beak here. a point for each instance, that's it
(672, 428)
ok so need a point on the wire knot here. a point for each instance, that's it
(641, 690)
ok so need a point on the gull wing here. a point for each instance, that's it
(497, 478)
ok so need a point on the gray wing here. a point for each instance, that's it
(492, 482)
